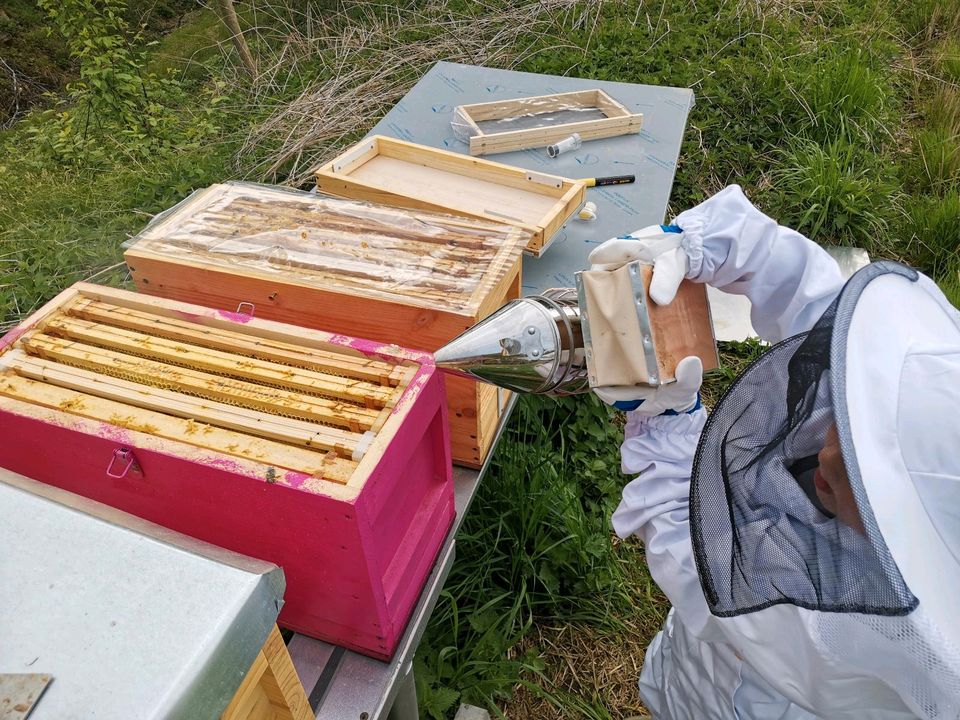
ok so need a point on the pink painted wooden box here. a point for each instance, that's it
(324, 454)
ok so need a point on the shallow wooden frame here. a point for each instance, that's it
(618, 121)
(395, 172)
(356, 548)
(183, 272)
(271, 688)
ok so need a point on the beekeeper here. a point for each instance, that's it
(807, 532)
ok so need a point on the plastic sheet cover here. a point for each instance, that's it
(428, 259)
(533, 113)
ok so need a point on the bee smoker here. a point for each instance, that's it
(531, 345)
(605, 333)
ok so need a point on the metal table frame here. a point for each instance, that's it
(344, 685)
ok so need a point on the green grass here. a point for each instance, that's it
(833, 193)
(926, 20)
(947, 59)
(535, 544)
(937, 159)
(842, 93)
(932, 228)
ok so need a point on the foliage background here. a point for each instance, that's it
(840, 118)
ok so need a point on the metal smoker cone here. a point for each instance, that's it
(529, 345)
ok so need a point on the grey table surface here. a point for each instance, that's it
(343, 684)
(131, 620)
(423, 116)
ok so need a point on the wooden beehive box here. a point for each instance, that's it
(413, 278)
(394, 172)
(323, 454)
(532, 122)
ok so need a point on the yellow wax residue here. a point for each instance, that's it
(131, 423)
(74, 404)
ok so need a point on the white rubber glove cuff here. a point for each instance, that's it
(680, 396)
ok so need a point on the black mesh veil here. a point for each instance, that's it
(760, 536)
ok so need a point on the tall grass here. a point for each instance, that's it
(932, 231)
(535, 544)
(926, 20)
(834, 193)
(947, 58)
(843, 95)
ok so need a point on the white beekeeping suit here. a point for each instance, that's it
(780, 610)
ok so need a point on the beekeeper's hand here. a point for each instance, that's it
(680, 396)
(729, 244)
(660, 245)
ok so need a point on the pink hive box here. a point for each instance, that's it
(324, 454)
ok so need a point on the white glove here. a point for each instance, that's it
(657, 244)
(682, 395)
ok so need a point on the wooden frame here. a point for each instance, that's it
(616, 120)
(394, 172)
(343, 281)
(271, 689)
(326, 455)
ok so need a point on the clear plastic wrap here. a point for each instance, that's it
(534, 116)
(514, 124)
(429, 259)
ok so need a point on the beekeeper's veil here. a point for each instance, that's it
(845, 621)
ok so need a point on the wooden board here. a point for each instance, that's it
(682, 328)
(395, 172)
(478, 118)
